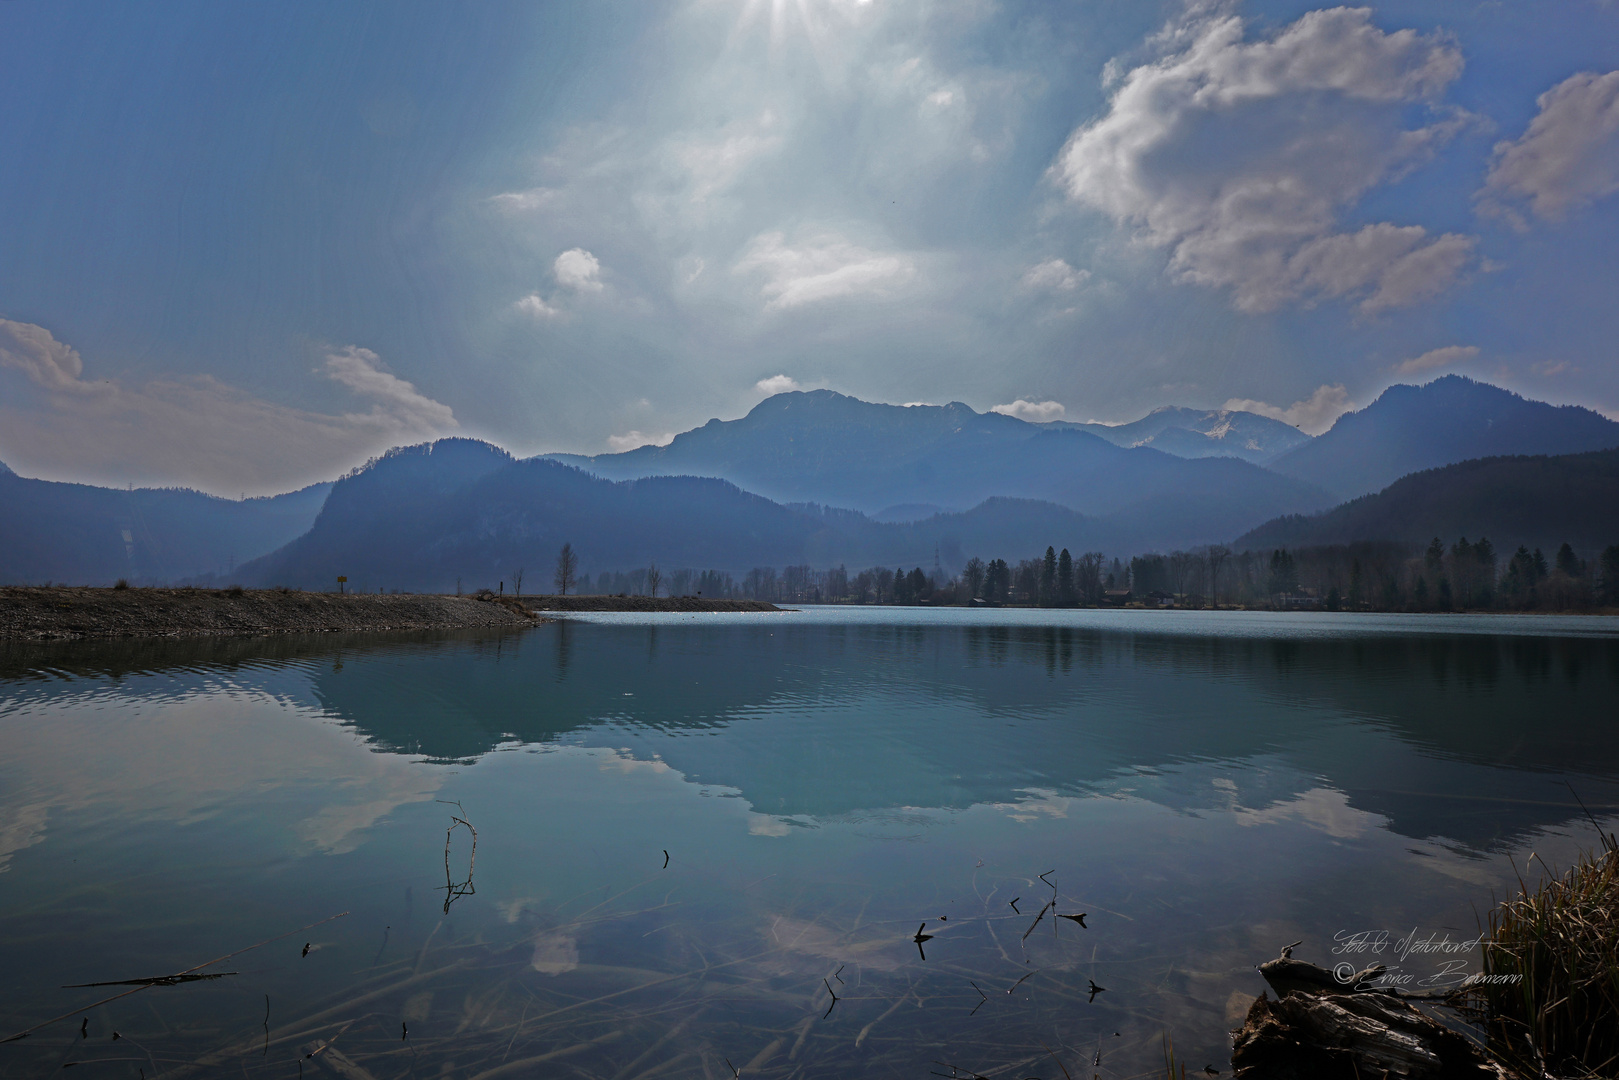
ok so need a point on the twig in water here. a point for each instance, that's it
(834, 1004)
(135, 990)
(666, 858)
(921, 937)
(1037, 919)
(1013, 903)
(266, 1027)
(1095, 990)
(838, 974)
(1049, 882)
(1019, 983)
(1080, 919)
(1058, 1060)
(733, 1069)
(454, 890)
(156, 980)
(375, 960)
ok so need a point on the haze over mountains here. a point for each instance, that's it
(821, 478)
(1409, 428)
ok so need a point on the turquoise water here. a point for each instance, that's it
(1205, 787)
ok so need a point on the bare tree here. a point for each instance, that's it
(1216, 555)
(567, 567)
(517, 582)
(654, 578)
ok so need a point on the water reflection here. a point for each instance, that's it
(771, 806)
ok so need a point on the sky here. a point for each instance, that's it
(245, 247)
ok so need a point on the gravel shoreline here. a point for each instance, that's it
(68, 612)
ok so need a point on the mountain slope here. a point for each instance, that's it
(81, 534)
(1410, 428)
(826, 448)
(424, 517)
(1191, 433)
(1538, 501)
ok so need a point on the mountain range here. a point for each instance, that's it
(821, 478)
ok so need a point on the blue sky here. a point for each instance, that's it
(243, 247)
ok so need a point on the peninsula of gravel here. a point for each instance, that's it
(73, 612)
(50, 612)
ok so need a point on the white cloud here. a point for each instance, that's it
(1054, 274)
(535, 305)
(1313, 415)
(1434, 359)
(714, 165)
(48, 362)
(632, 439)
(579, 270)
(824, 267)
(777, 384)
(1238, 156)
(361, 370)
(200, 431)
(1569, 156)
(523, 201)
(1037, 412)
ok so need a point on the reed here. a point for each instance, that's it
(1549, 996)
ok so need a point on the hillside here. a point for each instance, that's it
(427, 517)
(1411, 428)
(827, 448)
(53, 531)
(1537, 501)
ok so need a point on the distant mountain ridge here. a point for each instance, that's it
(1193, 433)
(458, 511)
(823, 447)
(1452, 419)
(1538, 501)
(79, 534)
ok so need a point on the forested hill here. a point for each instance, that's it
(79, 534)
(426, 517)
(1452, 419)
(1538, 501)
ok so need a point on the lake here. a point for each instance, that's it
(632, 846)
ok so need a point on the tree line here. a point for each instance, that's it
(1364, 576)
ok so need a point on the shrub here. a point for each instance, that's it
(121, 583)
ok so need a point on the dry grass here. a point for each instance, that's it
(1561, 942)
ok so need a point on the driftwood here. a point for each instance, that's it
(1323, 1028)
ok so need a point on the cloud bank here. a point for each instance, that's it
(197, 432)
(1239, 157)
(1434, 359)
(1037, 412)
(1313, 415)
(1569, 156)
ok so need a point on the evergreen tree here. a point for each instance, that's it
(1356, 593)
(1434, 560)
(1419, 595)
(1610, 574)
(1569, 563)
(1284, 573)
(1048, 578)
(1445, 598)
(1065, 579)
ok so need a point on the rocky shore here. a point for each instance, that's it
(66, 612)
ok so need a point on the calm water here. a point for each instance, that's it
(1205, 787)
